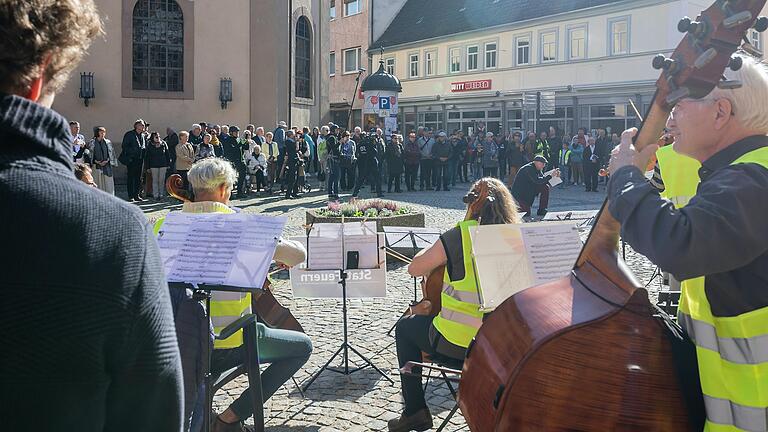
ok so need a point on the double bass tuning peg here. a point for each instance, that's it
(662, 62)
(761, 24)
(735, 63)
(686, 25)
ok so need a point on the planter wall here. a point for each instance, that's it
(408, 220)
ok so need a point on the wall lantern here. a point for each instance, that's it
(87, 91)
(225, 92)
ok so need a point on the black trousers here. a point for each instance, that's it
(425, 176)
(410, 176)
(242, 187)
(440, 175)
(590, 175)
(370, 172)
(134, 178)
(291, 181)
(396, 179)
(413, 336)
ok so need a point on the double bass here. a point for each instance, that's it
(585, 352)
(263, 303)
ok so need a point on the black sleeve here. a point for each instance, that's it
(722, 228)
(533, 175)
(146, 391)
(452, 244)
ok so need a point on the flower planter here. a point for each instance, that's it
(408, 220)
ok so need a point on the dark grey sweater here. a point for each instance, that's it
(88, 340)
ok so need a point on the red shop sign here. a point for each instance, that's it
(471, 85)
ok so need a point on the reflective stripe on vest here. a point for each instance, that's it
(460, 315)
(680, 174)
(752, 350)
(725, 412)
(462, 296)
(732, 351)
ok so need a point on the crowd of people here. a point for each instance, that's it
(339, 160)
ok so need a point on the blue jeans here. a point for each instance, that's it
(285, 350)
(333, 177)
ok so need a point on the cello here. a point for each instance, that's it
(432, 285)
(263, 302)
(585, 352)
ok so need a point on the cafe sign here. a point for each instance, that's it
(464, 86)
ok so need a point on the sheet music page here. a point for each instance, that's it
(324, 248)
(500, 262)
(551, 248)
(554, 181)
(367, 247)
(218, 248)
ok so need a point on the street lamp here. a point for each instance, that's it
(87, 90)
(354, 96)
(225, 92)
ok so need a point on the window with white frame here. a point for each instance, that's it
(351, 7)
(490, 55)
(455, 55)
(473, 52)
(577, 43)
(430, 63)
(523, 50)
(755, 39)
(333, 9)
(332, 64)
(548, 46)
(413, 66)
(389, 65)
(351, 60)
(619, 33)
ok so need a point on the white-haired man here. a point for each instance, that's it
(196, 135)
(212, 180)
(717, 244)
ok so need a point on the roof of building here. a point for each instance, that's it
(427, 19)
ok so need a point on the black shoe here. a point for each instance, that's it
(398, 191)
(419, 421)
(437, 189)
(217, 425)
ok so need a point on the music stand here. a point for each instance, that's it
(203, 292)
(408, 233)
(345, 345)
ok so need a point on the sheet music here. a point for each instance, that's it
(554, 181)
(327, 251)
(218, 248)
(511, 258)
(552, 249)
(500, 262)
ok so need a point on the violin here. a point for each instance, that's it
(588, 352)
(263, 302)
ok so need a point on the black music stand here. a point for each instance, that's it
(346, 346)
(203, 292)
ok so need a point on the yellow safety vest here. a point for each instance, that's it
(226, 307)
(680, 174)
(460, 317)
(732, 352)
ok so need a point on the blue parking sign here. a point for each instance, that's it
(384, 103)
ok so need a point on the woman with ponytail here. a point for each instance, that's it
(447, 335)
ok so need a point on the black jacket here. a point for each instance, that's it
(133, 148)
(588, 155)
(527, 182)
(720, 234)
(233, 150)
(367, 151)
(88, 332)
(158, 157)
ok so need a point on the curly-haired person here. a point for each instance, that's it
(89, 342)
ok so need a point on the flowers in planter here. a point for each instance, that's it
(364, 208)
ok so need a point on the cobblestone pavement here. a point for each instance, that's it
(364, 401)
